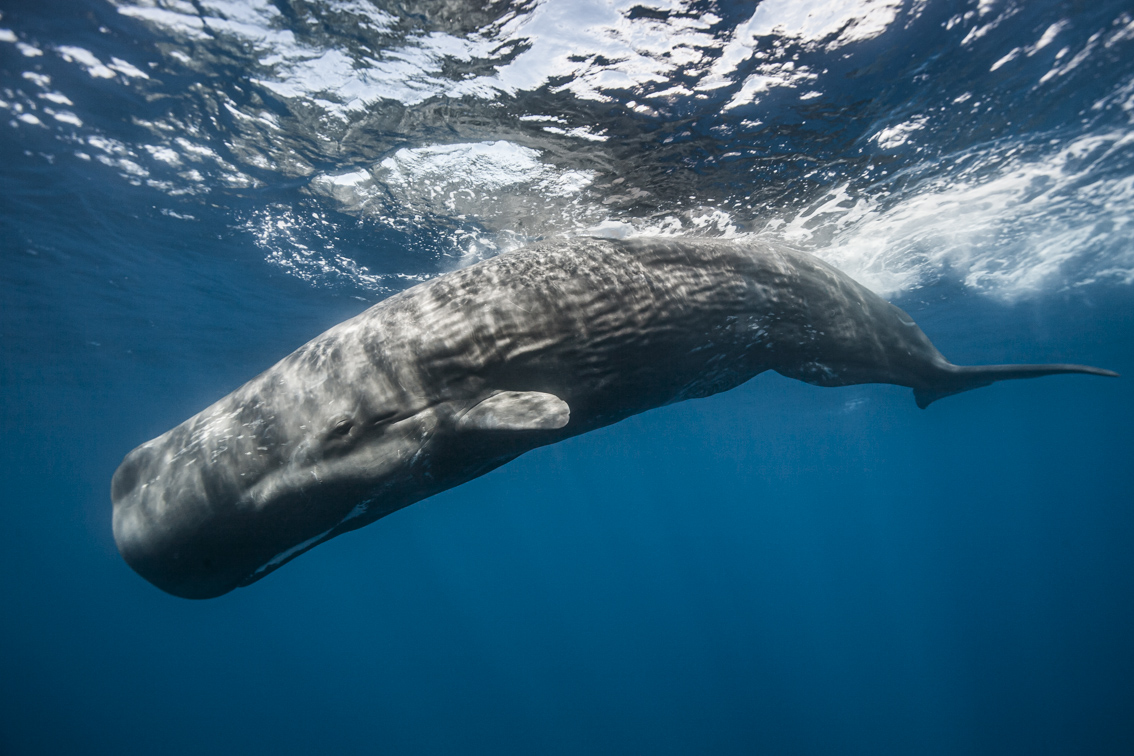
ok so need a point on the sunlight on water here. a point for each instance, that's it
(1033, 224)
(1000, 166)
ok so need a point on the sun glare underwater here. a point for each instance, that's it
(190, 190)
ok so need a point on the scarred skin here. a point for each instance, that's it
(414, 396)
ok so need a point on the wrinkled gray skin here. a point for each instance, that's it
(454, 377)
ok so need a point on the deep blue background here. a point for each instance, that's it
(780, 569)
(783, 568)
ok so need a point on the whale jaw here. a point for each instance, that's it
(194, 565)
(168, 569)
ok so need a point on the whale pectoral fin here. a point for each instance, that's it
(518, 410)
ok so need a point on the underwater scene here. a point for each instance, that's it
(608, 509)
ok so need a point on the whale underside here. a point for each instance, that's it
(456, 376)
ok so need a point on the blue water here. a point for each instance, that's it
(189, 191)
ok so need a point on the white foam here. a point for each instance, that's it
(66, 116)
(187, 22)
(895, 136)
(127, 69)
(286, 238)
(87, 60)
(497, 181)
(487, 166)
(164, 154)
(40, 80)
(564, 40)
(57, 97)
(594, 46)
(834, 23)
(1035, 223)
(770, 76)
(837, 22)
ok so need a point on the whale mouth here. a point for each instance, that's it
(279, 560)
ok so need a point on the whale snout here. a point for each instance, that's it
(189, 525)
(165, 530)
(178, 569)
(172, 559)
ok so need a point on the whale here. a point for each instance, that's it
(450, 379)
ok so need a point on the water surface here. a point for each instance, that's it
(191, 190)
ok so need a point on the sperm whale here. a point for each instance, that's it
(454, 377)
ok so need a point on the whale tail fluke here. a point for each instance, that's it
(957, 378)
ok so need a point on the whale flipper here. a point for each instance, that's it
(957, 378)
(518, 410)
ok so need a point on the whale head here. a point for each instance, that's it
(239, 489)
(323, 442)
(328, 440)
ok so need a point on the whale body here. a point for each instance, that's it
(456, 376)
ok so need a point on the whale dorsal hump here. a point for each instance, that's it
(518, 410)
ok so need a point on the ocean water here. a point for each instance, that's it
(189, 190)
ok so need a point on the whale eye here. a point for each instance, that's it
(339, 437)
